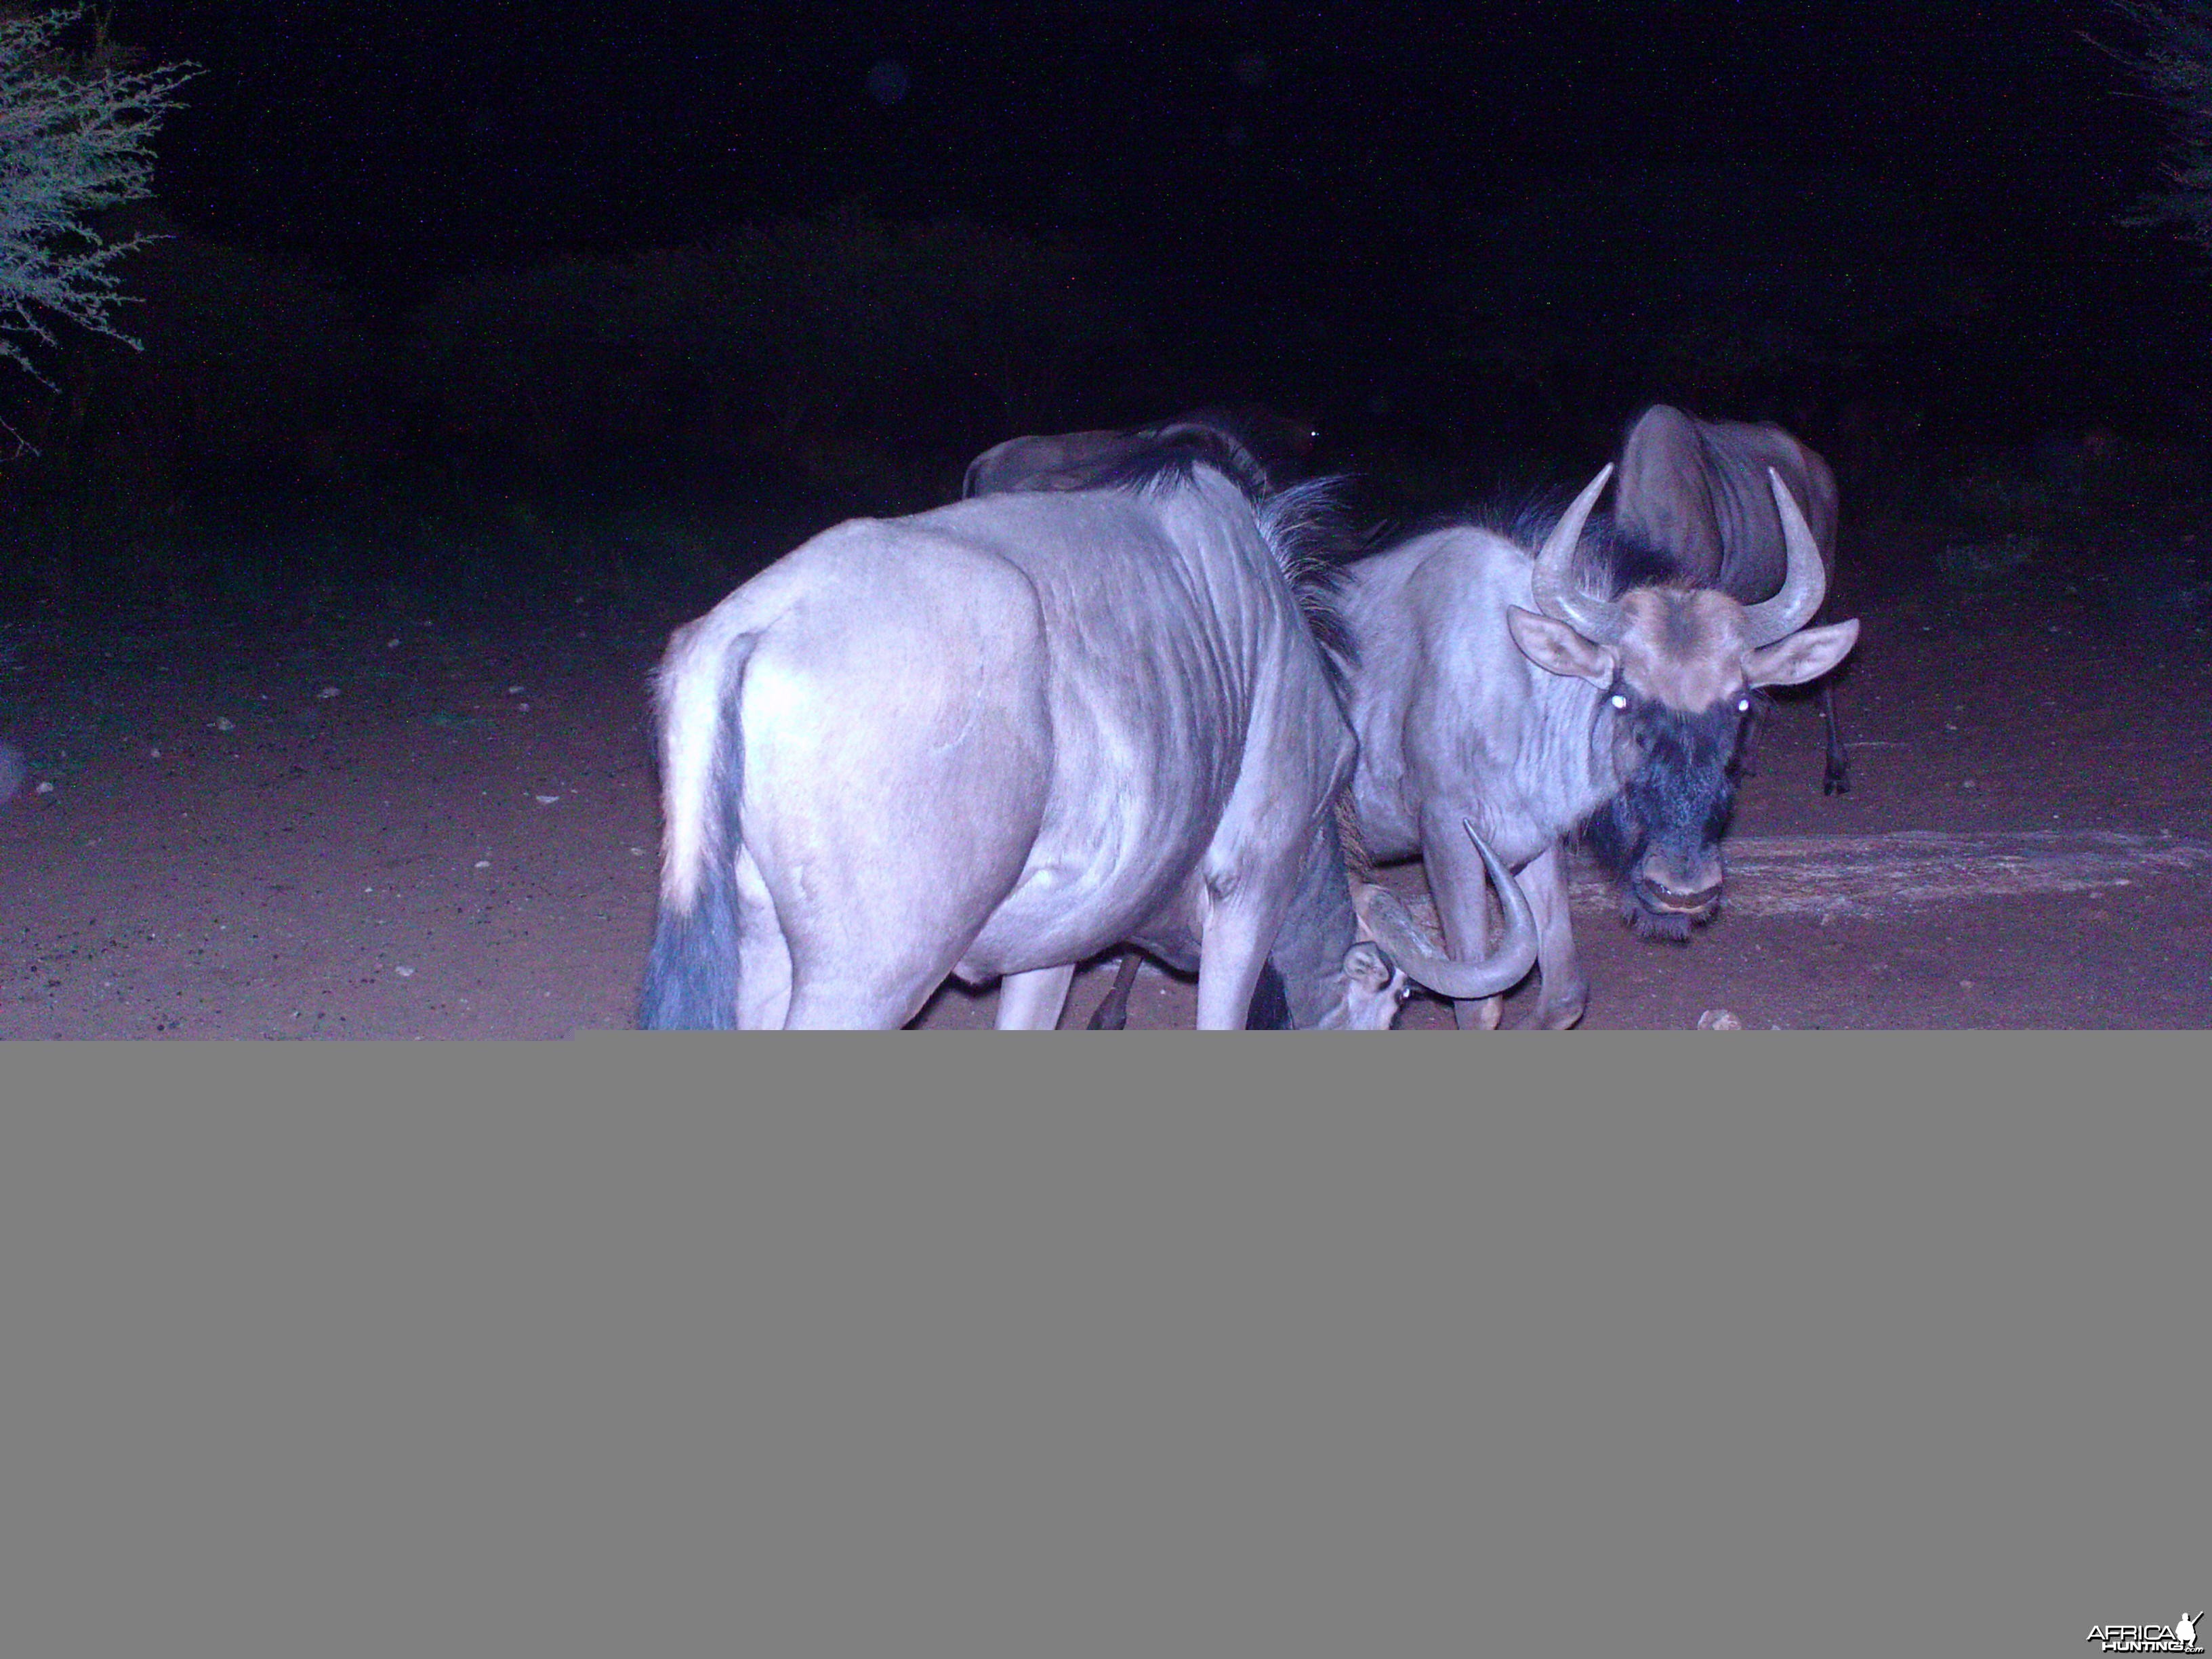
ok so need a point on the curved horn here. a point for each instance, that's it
(1599, 621)
(1397, 931)
(1804, 584)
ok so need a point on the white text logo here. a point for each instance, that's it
(2179, 1636)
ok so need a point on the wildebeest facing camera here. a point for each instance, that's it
(1694, 493)
(1600, 699)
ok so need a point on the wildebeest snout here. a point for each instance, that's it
(1688, 886)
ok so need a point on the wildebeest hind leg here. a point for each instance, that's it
(872, 940)
(764, 976)
(866, 1001)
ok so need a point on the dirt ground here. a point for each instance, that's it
(391, 825)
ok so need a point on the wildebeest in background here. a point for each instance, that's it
(1695, 492)
(1534, 695)
(998, 739)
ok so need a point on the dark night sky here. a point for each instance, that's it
(1321, 163)
(372, 139)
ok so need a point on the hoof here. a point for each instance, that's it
(1551, 1020)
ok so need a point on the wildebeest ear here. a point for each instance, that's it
(1805, 655)
(1368, 966)
(1557, 648)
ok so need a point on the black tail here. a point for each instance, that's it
(691, 976)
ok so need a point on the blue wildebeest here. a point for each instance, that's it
(1534, 694)
(1695, 492)
(1265, 449)
(997, 738)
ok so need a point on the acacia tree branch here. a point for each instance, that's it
(76, 132)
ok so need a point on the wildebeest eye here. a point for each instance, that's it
(1743, 705)
(1618, 700)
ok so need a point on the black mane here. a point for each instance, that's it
(1168, 455)
(1303, 524)
(1305, 527)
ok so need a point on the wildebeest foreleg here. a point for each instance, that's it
(1462, 892)
(1837, 780)
(1233, 949)
(1564, 991)
(1112, 1013)
(1033, 1001)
